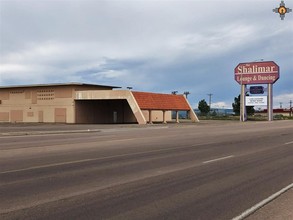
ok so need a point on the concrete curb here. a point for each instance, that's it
(22, 133)
(262, 203)
(27, 133)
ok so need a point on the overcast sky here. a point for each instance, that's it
(155, 46)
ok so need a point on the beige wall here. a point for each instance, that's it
(157, 116)
(37, 104)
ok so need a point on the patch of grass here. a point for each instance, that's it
(282, 117)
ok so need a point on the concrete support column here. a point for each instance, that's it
(150, 117)
(270, 102)
(164, 117)
(243, 115)
(177, 117)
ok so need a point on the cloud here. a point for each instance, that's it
(283, 100)
(155, 46)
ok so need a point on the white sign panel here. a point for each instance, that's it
(256, 100)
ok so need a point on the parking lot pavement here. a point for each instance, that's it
(280, 208)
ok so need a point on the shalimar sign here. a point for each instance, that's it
(266, 72)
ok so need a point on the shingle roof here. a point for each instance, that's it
(156, 101)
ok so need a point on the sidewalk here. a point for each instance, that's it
(47, 128)
(280, 208)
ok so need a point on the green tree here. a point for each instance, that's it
(203, 107)
(236, 107)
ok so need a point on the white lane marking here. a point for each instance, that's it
(217, 159)
(100, 158)
(291, 142)
(262, 203)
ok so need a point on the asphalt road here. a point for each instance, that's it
(201, 171)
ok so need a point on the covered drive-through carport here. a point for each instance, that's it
(103, 111)
(125, 106)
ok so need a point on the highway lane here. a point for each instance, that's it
(209, 171)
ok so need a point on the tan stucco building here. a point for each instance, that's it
(86, 103)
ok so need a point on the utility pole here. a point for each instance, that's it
(210, 99)
(291, 108)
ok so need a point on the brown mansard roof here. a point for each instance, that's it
(156, 101)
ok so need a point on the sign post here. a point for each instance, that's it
(266, 72)
(270, 102)
(243, 115)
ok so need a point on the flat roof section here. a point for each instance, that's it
(157, 101)
(57, 84)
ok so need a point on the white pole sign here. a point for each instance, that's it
(256, 100)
